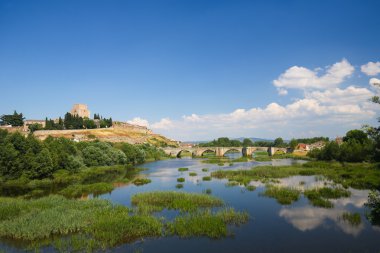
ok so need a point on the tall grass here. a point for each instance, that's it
(175, 200)
(320, 196)
(206, 223)
(62, 179)
(355, 175)
(283, 195)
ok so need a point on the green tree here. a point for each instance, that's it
(279, 142)
(10, 165)
(357, 135)
(42, 166)
(247, 143)
(34, 127)
(89, 124)
(15, 119)
(293, 143)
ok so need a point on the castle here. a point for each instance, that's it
(80, 110)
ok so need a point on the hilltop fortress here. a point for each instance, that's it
(118, 132)
(80, 110)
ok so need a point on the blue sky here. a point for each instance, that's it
(194, 70)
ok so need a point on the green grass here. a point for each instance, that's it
(206, 178)
(283, 195)
(262, 158)
(216, 160)
(241, 159)
(355, 175)
(320, 202)
(207, 191)
(78, 190)
(70, 225)
(183, 169)
(175, 200)
(291, 156)
(180, 179)
(192, 174)
(320, 196)
(62, 179)
(141, 181)
(250, 188)
(231, 184)
(352, 218)
(179, 186)
(329, 193)
(39, 221)
(262, 153)
(207, 223)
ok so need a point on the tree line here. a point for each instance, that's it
(226, 142)
(29, 157)
(68, 122)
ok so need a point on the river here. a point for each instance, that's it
(298, 227)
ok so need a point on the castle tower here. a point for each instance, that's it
(80, 110)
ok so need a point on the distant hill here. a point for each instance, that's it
(252, 139)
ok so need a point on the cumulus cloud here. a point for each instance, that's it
(371, 68)
(324, 109)
(341, 108)
(164, 124)
(303, 78)
(282, 92)
(139, 121)
(375, 83)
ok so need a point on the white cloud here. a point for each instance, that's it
(164, 123)
(324, 109)
(375, 83)
(371, 68)
(282, 92)
(139, 121)
(309, 218)
(303, 78)
(318, 112)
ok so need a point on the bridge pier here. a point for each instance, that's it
(220, 151)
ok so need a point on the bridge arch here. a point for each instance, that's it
(182, 150)
(223, 150)
(201, 152)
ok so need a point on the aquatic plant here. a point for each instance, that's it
(206, 223)
(355, 175)
(206, 178)
(373, 204)
(319, 196)
(250, 187)
(78, 190)
(283, 195)
(141, 181)
(241, 159)
(175, 200)
(192, 174)
(183, 169)
(181, 179)
(205, 169)
(231, 184)
(179, 186)
(207, 191)
(353, 219)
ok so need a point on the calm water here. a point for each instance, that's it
(272, 228)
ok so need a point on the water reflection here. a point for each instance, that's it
(308, 218)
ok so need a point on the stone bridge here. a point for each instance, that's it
(220, 151)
